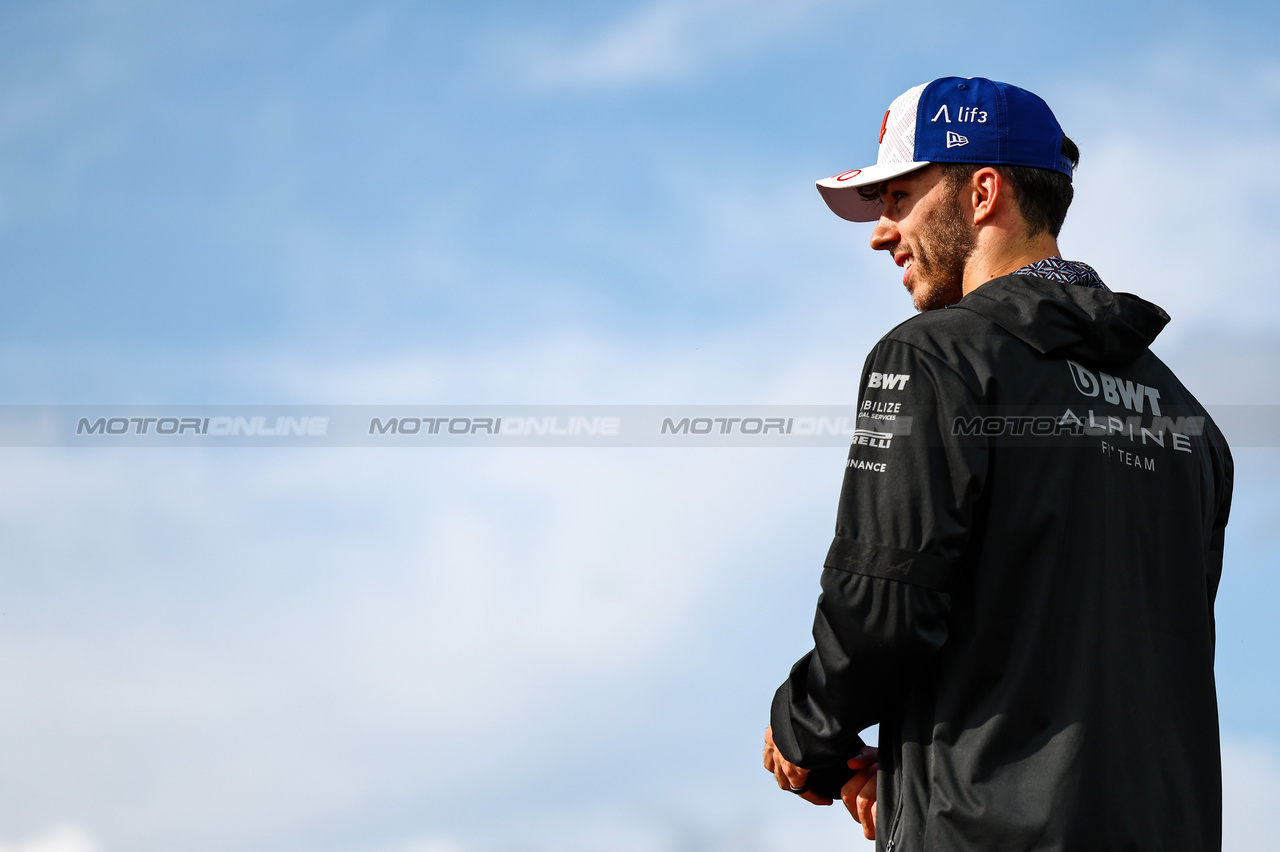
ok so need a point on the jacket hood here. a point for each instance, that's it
(1067, 320)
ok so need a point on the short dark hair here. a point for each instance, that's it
(1042, 195)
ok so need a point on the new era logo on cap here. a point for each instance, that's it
(952, 120)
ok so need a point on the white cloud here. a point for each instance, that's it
(1250, 790)
(230, 645)
(63, 839)
(1178, 199)
(430, 844)
(750, 818)
(663, 40)
(796, 301)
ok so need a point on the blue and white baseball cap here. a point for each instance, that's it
(952, 120)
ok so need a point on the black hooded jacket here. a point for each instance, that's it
(1020, 590)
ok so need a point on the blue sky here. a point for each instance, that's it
(449, 651)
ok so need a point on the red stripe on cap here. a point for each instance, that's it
(884, 122)
(849, 174)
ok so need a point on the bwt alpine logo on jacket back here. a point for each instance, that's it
(1114, 390)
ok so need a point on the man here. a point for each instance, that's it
(1029, 536)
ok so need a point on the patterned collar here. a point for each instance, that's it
(1066, 271)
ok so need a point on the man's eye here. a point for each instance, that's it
(898, 196)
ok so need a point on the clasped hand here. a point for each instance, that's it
(858, 793)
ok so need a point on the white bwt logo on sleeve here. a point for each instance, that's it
(888, 381)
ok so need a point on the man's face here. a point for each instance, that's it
(924, 228)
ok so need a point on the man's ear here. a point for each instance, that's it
(988, 192)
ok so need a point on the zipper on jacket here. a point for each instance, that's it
(897, 817)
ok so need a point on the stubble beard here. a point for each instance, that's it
(946, 244)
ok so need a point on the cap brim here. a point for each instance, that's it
(842, 196)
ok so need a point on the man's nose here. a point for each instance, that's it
(885, 235)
